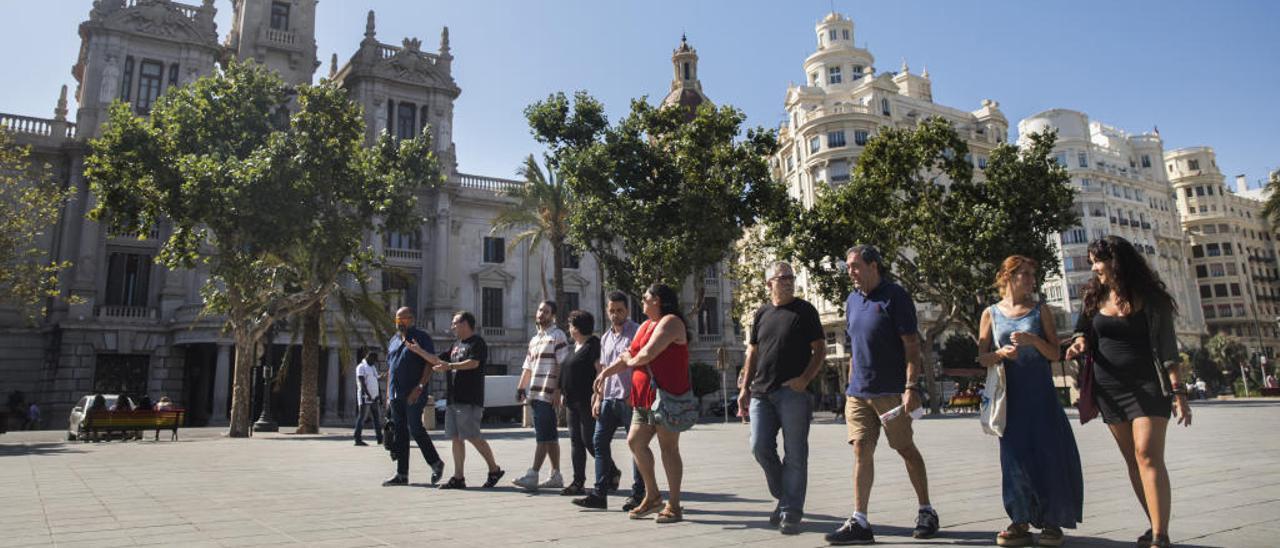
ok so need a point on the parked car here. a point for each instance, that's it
(75, 422)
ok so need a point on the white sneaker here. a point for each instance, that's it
(528, 481)
(554, 481)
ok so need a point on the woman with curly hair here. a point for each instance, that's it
(1126, 328)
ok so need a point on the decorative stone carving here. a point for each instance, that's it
(157, 18)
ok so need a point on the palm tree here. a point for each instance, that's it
(541, 214)
(1271, 209)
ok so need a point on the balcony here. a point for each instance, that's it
(403, 254)
(1146, 226)
(490, 184)
(124, 313)
(282, 37)
(493, 331)
(39, 127)
(710, 338)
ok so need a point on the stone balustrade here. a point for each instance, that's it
(491, 184)
(42, 127)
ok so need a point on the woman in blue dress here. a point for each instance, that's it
(1039, 462)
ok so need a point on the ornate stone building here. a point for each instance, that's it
(138, 327)
(830, 118)
(1233, 250)
(1121, 190)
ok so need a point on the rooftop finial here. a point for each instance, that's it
(369, 31)
(333, 65)
(925, 73)
(444, 41)
(905, 68)
(60, 113)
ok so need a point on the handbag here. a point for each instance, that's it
(1087, 407)
(677, 412)
(992, 414)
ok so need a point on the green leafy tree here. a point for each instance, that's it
(959, 352)
(942, 231)
(1271, 208)
(541, 213)
(705, 379)
(1229, 354)
(666, 192)
(241, 186)
(29, 200)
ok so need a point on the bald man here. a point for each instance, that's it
(407, 378)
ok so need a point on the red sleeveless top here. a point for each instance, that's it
(671, 368)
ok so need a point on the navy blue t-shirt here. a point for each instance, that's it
(876, 323)
(406, 367)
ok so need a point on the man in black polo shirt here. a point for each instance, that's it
(463, 365)
(785, 353)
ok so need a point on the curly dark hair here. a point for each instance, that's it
(1135, 282)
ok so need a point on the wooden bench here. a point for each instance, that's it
(133, 421)
(961, 404)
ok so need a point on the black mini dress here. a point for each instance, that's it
(1126, 383)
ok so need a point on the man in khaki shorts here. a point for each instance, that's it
(884, 345)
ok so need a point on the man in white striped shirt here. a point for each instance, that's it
(540, 385)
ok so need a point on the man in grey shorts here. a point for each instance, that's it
(463, 366)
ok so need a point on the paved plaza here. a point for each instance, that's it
(207, 490)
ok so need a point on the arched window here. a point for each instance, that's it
(686, 71)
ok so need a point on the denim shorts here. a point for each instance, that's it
(544, 421)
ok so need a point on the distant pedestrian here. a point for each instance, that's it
(164, 403)
(612, 407)
(368, 398)
(1127, 329)
(463, 366)
(884, 370)
(33, 417)
(406, 389)
(576, 378)
(540, 386)
(784, 355)
(1041, 479)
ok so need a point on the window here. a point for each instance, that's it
(1220, 290)
(857, 72)
(1213, 250)
(709, 317)
(1187, 191)
(844, 33)
(1146, 160)
(1202, 271)
(831, 34)
(1226, 249)
(1238, 308)
(686, 70)
(402, 240)
(813, 78)
(150, 74)
(1060, 158)
(1235, 290)
(1075, 236)
(1224, 311)
(1197, 251)
(570, 301)
(833, 75)
(571, 258)
(884, 106)
(121, 374)
(1082, 159)
(1216, 270)
(400, 290)
(982, 162)
(406, 118)
(128, 278)
(491, 307)
(1231, 269)
(279, 16)
(173, 75)
(1206, 292)
(815, 144)
(126, 83)
(860, 137)
(1193, 165)
(835, 139)
(495, 250)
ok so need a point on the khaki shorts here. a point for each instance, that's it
(643, 416)
(862, 417)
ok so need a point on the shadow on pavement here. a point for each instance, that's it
(27, 449)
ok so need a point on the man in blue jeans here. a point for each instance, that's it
(406, 386)
(784, 354)
(612, 409)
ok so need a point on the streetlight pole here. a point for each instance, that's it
(266, 421)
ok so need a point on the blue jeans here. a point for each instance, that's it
(407, 421)
(788, 478)
(614, 414)
(367, 409)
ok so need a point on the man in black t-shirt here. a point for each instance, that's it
(785, 352)
(463, 366)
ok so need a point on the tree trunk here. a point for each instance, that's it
(557, 280)
(241, 399)
(309, 400)
(930, 367)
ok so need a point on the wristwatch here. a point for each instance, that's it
(422, 386)
(915, 387)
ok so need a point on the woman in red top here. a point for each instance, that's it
(661, 349)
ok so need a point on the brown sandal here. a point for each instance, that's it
(1015, 535)
(670, 514)
(643, 511)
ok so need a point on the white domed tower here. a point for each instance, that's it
(836, 61)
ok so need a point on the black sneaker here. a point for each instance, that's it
(454, 483)
(614, 479)
(493, 478)
(790, 527)
(573, 490)
(926, 524)
(396, 480)
(851, 532)
(437, 470)
(631, 503)
(592, 502)
(775, 517)
(361, 443)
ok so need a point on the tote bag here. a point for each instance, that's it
(993, 402)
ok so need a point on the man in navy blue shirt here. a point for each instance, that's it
(406, 386)
(884, 345)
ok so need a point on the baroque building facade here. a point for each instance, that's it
(1233, 250)
(136, 327)
(1121, 189)
(844, 101)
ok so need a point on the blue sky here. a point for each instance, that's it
(1204, 73)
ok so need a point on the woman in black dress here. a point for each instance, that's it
(1126, 327)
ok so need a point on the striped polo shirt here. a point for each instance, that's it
(547, 350)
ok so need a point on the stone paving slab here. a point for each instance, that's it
(281, 489)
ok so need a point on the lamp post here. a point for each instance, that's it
(266, 421)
